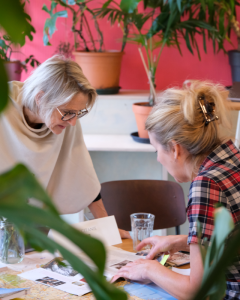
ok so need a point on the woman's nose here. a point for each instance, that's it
(72, 121)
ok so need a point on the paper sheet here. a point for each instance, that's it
(182, 271)
(105, 229)
(75, 285)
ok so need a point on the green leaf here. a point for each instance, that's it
(204, 41)
(222, 230)
(14, 20)
(179, 4)
(3, 86)
(129, 6)
(106, 4)
(203, 4)
(221, 22)
(3, 55)
(46, 9)
(50, 25)
(53, 5)
(188, 42)
(3, 44)
(18, 185)
(214, 280)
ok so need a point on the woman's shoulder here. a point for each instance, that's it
(15, 88)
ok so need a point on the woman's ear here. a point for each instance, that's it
(175, 149)
(38, 98)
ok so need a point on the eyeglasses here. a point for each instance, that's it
(68, 116)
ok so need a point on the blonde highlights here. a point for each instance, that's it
(178, 116)
(55, 82)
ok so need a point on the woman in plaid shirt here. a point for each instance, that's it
(184, 129)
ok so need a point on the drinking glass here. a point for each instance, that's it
(142, 227)
(12, 248)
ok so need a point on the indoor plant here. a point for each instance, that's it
(166, 23)
(7, 46)
(102, 68)
(19, 184)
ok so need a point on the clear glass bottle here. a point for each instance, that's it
(12, 249)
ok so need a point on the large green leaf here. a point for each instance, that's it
(50, 23)
(219, 255)
(18, 185)
(14, 20)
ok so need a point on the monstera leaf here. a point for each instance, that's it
(218, 255)
(18, 185)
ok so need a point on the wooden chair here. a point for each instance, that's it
(164, 199)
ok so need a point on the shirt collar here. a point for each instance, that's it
(219, 154)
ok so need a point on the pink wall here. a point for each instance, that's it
(173, 68)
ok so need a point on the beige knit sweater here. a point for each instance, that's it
(61, 163)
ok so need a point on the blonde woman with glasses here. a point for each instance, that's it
(184, 129)
(40, 128)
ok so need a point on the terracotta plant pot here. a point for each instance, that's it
(102, 69)
(14, 70)
(141, 111)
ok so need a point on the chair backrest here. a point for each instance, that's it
(164, 199)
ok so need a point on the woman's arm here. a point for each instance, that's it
(179, 286)
(98, 210)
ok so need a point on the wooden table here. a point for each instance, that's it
(9, 279)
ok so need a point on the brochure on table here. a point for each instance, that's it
(64, 277)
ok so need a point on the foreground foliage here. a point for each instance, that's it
(218, 256)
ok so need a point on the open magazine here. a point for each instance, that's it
(59, 274)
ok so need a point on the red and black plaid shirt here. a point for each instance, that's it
(218, 180)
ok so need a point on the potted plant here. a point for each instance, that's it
(101, 67)
(234, 55)
(162, 24)
(14, 67)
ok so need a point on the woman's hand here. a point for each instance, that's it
(164, 244)
(137, 270)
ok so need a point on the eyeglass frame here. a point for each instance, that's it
(80, 114)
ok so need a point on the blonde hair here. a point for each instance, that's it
(178, 116)
(56, 81)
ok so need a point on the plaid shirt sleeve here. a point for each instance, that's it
(203, 195)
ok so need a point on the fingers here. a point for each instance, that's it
(115, 277)
(153, 252)
(148, 241)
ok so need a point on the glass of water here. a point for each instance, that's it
(142, 227)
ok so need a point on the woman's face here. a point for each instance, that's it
(174, 160)
(78, 102)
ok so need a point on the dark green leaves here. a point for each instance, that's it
(16, 23)
(50, 23)
(18, 185)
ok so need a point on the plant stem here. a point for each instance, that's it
(159, 54)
